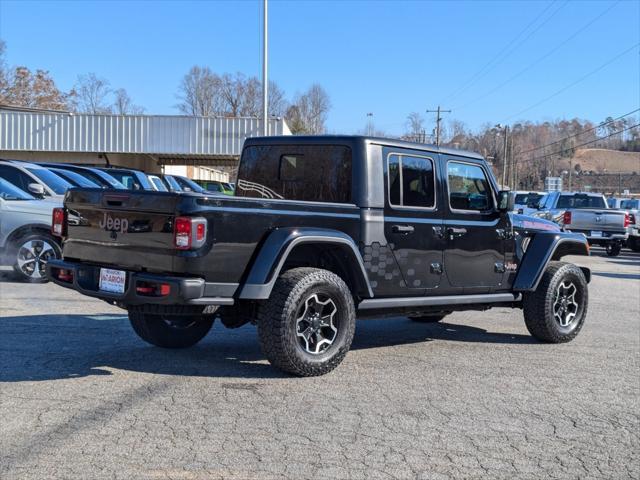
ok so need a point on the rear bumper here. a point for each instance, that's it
(183, 290)
(607, 237)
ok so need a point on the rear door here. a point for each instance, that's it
(475, 231)
(413, 222)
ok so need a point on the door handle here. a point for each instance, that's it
(455, 232)
(406, 229)
(438, 232)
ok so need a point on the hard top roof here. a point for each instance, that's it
(355, 139)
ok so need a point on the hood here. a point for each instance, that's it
(525, 222)
(32, 207)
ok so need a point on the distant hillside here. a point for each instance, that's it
(598, 160)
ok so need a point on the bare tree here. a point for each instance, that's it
(4, 75)
(277, 101)
(308, 113)
(200, 93)
(123, 105)
(92, 92)
(415, 127)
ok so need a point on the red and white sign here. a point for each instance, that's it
(112, 280)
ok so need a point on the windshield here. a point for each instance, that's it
(175, 186)
(158, 184)
(189, 185)
(630, 204)
(51, 180)
(74, 178)
(11, 192)
(581, 201)
(531, 200)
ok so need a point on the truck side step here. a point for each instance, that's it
(396, 302)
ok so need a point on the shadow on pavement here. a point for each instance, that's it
(47, 347)
(630, 276)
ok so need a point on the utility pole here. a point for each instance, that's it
(505, 160)
(438, 119)
(370, 124)
(265, 81)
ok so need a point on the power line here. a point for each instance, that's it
(580, 133)
(578, 146)
(540, 59)
(507, 49)
(584, 77)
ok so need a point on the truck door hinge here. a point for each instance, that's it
(436, 268)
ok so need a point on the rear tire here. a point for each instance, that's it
(634, 243)
(170, 331)
(613, 249)
(556, 310)
(429, 318)
(307, 325)
(30, 254)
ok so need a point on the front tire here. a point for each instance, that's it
(307, 325)
(556, 310)
(170, 331)
(613, 249)
(30, 254)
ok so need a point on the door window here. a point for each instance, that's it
(411, 181)
(16, 177)
(468, 187)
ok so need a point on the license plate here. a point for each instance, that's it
(596, 234)
(112, 280)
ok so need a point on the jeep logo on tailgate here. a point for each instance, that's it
(114, 224)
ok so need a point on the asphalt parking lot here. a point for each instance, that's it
(82, 397)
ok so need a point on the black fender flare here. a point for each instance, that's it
(267, 265)
(543, 248)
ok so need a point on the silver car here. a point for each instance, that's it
(34, 179)
(26, 243)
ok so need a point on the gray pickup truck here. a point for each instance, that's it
(587, 213)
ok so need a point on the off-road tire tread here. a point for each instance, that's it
(154, 331)
(273, 314)
(538, 304)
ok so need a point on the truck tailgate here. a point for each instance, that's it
(129, 229)
(601, 220)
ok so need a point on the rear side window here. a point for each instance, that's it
(468, 187)
(580, 201)
(315, 173)
(411, 181)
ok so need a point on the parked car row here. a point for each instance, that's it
(611, 223)
(29, 192)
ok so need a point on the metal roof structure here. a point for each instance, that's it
(166, 137)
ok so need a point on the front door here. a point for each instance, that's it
(475, 231)
(413, 219)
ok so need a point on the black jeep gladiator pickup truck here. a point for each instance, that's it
(321, 229)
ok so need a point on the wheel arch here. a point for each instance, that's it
(294, 247)
(544, 248)
(24, 230)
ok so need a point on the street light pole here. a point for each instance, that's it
(265, 81)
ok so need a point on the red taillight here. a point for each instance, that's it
(566, 218)
(189, 232)
(65, 275)
(627, 220)
(182, 229)
(150, 289)
(200, 231)
(59, 222)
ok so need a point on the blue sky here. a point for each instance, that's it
(488, 61)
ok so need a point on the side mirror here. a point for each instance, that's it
(506, 201)
(36, 189)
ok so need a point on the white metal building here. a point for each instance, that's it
(146, 142)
